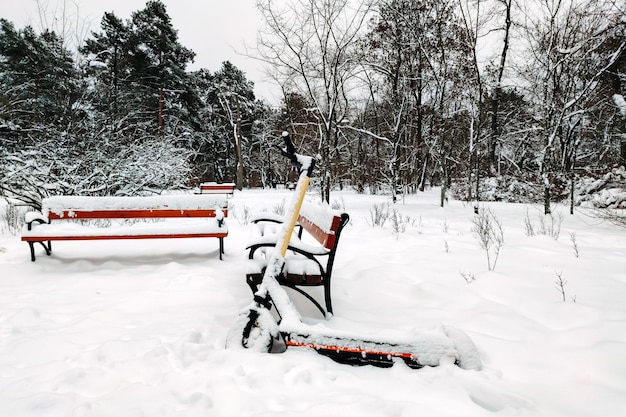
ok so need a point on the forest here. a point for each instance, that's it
(488, 99)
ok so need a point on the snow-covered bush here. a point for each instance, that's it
(68, 166)
(280, 207)
(608, 191)
(548, 224)
(503, 188)
(605, 197)
(12, 216)
(379, 214)
(399, 222)
(243, 216)
(489, 233)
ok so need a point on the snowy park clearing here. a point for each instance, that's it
(120, 329)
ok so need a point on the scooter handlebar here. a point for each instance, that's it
(296, 160)
(289, 150)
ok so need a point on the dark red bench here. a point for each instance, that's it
(215, 188)
(72, 218)
(311, 257)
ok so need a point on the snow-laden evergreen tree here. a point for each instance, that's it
(158, 63)
(39, 82)
(107, 65)
(59, 138)
(228, 108)
(139, 66)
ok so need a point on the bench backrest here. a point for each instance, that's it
(151, 207)
(323, 224)
(215, 188)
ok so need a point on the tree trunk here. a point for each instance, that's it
(238, 149)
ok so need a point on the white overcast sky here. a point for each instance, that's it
(216, 30)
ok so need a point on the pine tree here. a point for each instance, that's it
(107, 64)
(140, 67)
(158, 63)
(39, 82)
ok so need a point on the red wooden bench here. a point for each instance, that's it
(72, 218)
(215, 188)
(310, 262)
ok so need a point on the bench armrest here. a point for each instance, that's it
(219, 215)
(34, 217)
(267, 217)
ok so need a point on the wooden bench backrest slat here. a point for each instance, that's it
(131, 214)
(325, 239)
(217, 187)
(213, 188)
(136, 237)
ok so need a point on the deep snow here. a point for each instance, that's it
(130, 328)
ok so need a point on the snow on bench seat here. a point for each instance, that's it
(68, 231)
(62, 204)
(187, 216)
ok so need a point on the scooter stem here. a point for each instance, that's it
(303, 184)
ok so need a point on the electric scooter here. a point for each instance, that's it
(258, 329)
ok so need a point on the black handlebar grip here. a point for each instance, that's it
(290, 149)
(290, 152)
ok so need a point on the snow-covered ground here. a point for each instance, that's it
(137, 328)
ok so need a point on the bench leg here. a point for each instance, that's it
(31, 245)
(305, 294)
(329, 305)
(221, 247)
(47, 248)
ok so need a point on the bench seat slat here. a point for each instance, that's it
(72, 230)
(123, 237)
(133, 214)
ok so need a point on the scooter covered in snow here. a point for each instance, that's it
(257, 328)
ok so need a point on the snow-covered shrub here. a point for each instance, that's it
(572, 238)
(560, 284)
(548, 224)
(605, 197)
(513, 189)
(399, 222)
(12, 216)
(243, 216)
(279, 208)
(468, 276)
(489, 233)
(606, 192)
(64, 165)
(338, 204)
(529, 227)
(503, 188)
(379, 214)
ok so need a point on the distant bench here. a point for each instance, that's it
(312, 256)
(215, 188)
(188, 216)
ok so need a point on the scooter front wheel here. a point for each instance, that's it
(254, 329)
